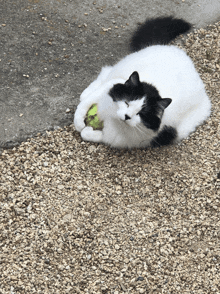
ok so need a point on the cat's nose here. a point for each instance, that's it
(127, 117)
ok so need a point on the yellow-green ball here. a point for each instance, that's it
(92, 118)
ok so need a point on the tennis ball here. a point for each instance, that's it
(92, 118)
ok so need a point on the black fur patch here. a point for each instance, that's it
(131, 90)
(165, 137)
(158, 31)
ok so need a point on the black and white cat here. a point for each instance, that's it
(152, 97)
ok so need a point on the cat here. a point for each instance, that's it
(152, 97)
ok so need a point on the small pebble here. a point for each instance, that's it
(140, 279)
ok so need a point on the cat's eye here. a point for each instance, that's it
(127, 103)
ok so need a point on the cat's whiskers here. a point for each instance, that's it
(139, 129)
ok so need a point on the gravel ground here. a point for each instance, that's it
(77, 217)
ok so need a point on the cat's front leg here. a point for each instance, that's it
(85, 104)
(88, 134)
(97, 83)
(79, 118)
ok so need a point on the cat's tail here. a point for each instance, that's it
(158, 31)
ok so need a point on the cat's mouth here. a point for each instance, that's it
(128, 123)
(125, 121)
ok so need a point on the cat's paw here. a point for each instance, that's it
(79, 123)
(88, 134)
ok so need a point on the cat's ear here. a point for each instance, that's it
(163, 103)
(133, 80)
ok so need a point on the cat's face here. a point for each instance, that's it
(138, 102)
(129, 111)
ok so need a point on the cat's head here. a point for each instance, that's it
(139, 102)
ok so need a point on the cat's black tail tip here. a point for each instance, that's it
(158, 31)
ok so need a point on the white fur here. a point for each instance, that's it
(131, 109)
(171, 71)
